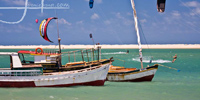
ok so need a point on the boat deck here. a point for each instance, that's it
(114, 69)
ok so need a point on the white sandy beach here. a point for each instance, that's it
(131, 46)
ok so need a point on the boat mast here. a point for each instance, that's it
(137, 31)
(59, 39)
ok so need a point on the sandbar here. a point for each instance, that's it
(105, 46)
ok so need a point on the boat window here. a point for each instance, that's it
(5, 61)
(21, 56)
(26, 58)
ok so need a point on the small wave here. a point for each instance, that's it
(153, 61)
(51, 97)
(161, 61)
(114, 53)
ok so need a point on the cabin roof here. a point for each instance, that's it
(34, 53)
(8, 53)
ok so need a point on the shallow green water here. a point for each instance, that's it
(167, 84)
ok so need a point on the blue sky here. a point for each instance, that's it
(110, 22)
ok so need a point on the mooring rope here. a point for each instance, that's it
(120, 59)
(178, 70)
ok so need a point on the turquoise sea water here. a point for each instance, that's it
(168, 84)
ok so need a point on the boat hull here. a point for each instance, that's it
(139, 75)
(32, 84)
(89, 77)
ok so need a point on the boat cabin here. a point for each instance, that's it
(17, 67)
(51, 60)
(48, 60)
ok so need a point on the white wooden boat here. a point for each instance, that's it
(32, 75)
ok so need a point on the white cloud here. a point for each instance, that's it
(15, 2)
(107, 22)
(63, 21)
(24, 28)
(191, 4)
(79, 22)
(143, 20)
(118, 15)
(128, 22)
(124, 20)
(145, 14)
(173, 17)
(176, 14)
(95, 16)
(195, 12)
(129, 14)
(195, 5)
(16, 28)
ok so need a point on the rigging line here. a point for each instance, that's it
(114, 33)
(57, 24)
(190, 15)
(190, 26)
(22, 18)
(189, 8)
(144, 36)
(155, 19)
(106, 18)
(102, 21)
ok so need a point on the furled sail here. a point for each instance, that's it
(43, 28)
(137, 31)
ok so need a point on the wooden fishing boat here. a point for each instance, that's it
(121, 74)
(32, 75)
(46, 70)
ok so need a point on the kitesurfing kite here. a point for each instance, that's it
(161, 5)
(91, 2)
(43, 28)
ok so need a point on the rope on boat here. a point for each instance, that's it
(178, 70)
(121, 60)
